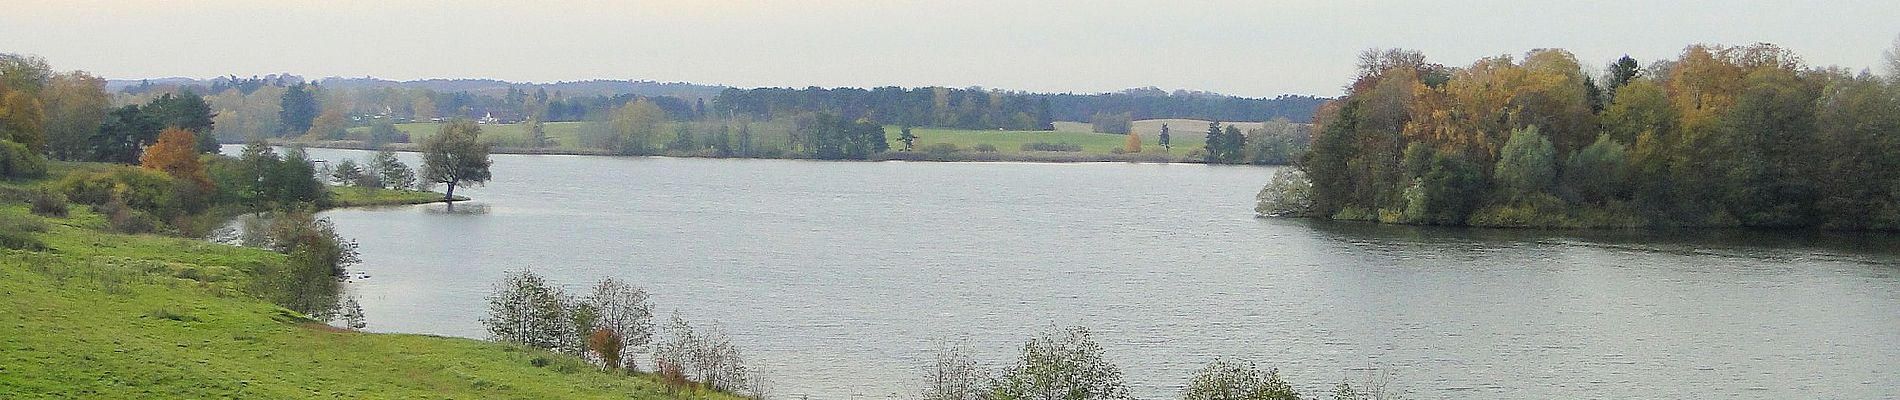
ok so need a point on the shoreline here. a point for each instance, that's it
(915, 156)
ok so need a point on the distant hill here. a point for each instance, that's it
(493, 87)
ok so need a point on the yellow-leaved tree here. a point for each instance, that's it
(176, 154)
(1134, 143)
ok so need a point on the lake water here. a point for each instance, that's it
(838, 279)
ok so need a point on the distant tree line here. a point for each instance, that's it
(977, 108)
(1719, 136)
(1152, 103)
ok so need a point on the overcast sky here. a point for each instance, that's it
(1251, 48)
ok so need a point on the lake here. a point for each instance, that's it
(839, 279)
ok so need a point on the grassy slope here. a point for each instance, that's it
(121, 316)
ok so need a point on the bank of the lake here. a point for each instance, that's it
(958, 155)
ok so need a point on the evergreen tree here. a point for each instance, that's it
(299, 110)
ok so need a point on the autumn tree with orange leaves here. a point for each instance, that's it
(176, 154)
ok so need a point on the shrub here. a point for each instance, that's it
(17, 161)
(1237, 380)
(16, 231)
(984, 148)
(138, 188)
(606, 345)
(940, 149)
(1041, 146)
(124, 219)
(48, 202)
(1536, 210)
(1065, 365)
(1290, 194)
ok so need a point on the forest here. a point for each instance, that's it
(1720, 136)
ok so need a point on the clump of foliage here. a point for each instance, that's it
(1719, 136)
(16, 231)
(48, 202)
(309, 280)
(1042, 146)
(1225, 380)
(1061, 365)
(1289, 194)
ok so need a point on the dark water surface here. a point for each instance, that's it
(839, 278)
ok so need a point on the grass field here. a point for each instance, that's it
(102, 315)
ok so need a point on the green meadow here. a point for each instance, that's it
(93, 314)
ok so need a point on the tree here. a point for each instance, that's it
(1598, 173)
(682, 139)
(22, 118)
(307, 282)
(954, 375)
(622, 310)
(1061, 365)
(1229, 380)
(186, 111)
(124, 135)
(1164, 139)
(1623, 71)
(1133, 144)
(909, 139)
(297, 176)
(176, 154)
(455, 155)
(329, 125)
(390, 172)
(299, 109)
(607, 346)
(1527, 164)
(353, 314)
(384, 132)
(537, 134)
(76, 104)
(346, 172)
(526, 310)
(1893, 61)
(634, 126)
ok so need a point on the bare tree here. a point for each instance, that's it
(624, 310)
(954, 375)
(1375, 385)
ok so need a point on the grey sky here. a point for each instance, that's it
(1260, 48)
